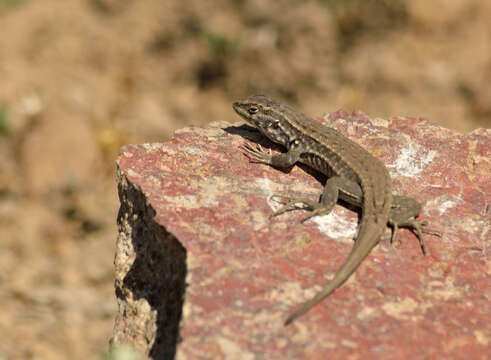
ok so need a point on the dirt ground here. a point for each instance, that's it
(81, 78)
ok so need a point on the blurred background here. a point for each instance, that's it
(81, 78)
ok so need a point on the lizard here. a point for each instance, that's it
(353, 175)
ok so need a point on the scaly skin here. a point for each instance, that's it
(328, 151)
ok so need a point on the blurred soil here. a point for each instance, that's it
(81, 78)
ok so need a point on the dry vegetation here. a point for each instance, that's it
(80, 78)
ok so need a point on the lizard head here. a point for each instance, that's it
(265, 114)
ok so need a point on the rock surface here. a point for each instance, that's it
(201, 272)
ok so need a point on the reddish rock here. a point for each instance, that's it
(194, 225)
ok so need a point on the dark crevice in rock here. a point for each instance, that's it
(157, 275)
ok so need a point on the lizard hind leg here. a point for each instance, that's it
(417, 226)
(403, 212)
(316, 208)
(335, 187)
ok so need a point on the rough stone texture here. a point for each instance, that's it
(194, 223)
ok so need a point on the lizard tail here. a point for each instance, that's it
(366, 240)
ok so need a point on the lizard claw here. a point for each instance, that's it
(316, 209)
(419, 227)
(291, 203)
(256, 154)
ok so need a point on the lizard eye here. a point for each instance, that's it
(252, 110)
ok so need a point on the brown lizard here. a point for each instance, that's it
(354, 176)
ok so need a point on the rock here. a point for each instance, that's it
(201, 272)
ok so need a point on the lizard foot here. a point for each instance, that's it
(418, 226)
(315, 207)
(256, 154)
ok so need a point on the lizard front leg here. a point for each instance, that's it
(286, 160)
(257, 154)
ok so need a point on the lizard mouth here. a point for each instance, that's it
(236, 106)
(239, 109)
